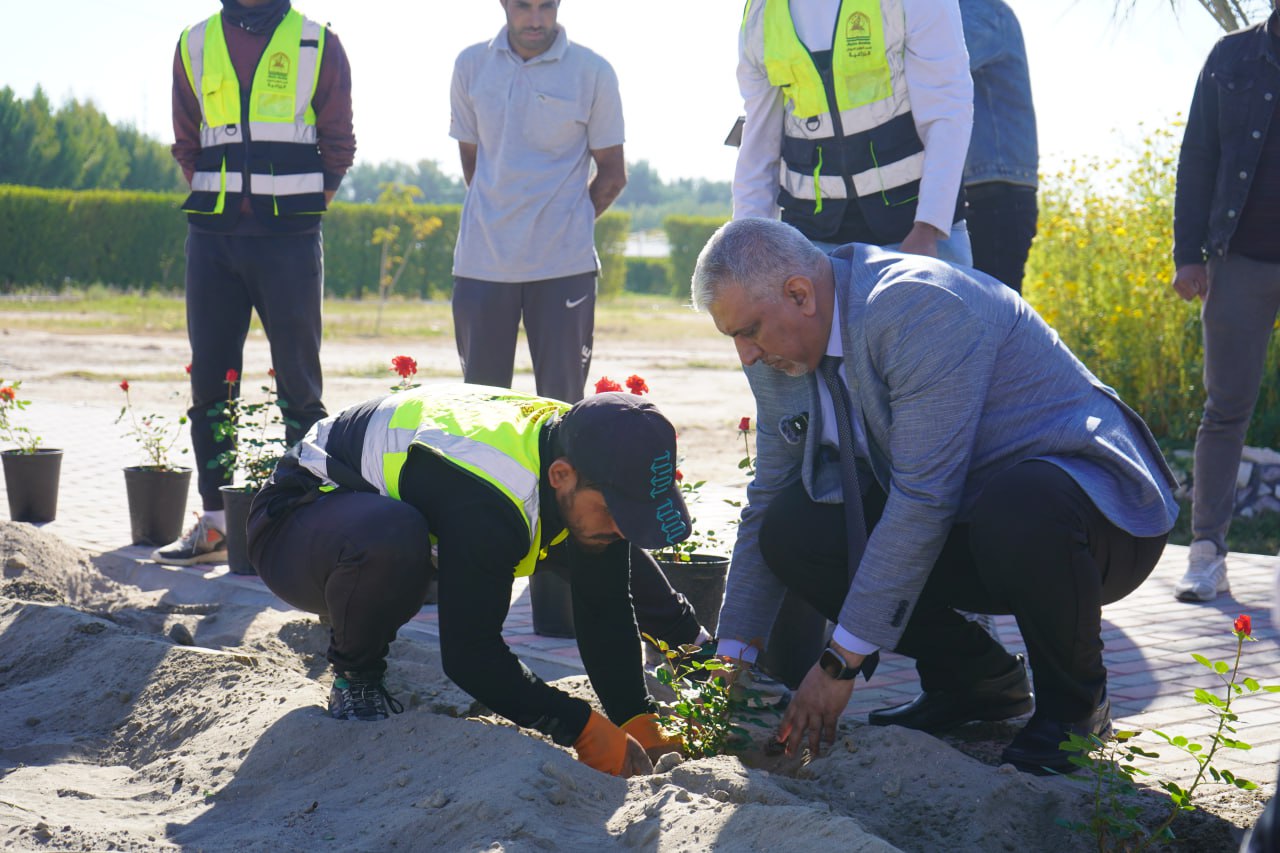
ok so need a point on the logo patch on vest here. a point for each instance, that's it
(857, 36)
(278, 71)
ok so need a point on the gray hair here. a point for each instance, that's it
(756, 254)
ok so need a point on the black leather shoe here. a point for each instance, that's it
(997, 698)
(1035, 749)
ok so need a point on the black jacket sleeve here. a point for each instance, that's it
(605, 623)
(1197, 172)
(481, 538)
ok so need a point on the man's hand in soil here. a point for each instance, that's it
(815, 709)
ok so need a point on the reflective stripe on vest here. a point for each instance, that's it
(868, 136)
(279, 111)
(492, 433)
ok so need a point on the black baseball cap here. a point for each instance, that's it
(622, 445)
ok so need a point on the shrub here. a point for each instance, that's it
(1099, 273)
(136, 240)
(648, 275)
(687, 235)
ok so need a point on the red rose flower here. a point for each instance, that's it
(636, 385)
(8, 394)
(188, 369)
(679, 475)
(232, 375)
(1244, 625)
(744, 425)
(604, 383)
(124, 385)
(271, 371)
(404, 366)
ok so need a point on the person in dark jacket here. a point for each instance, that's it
(497, 485)
(1226, 218)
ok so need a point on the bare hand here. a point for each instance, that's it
(1191, 280)
(815, 709)
(922, 240)
(635, 762)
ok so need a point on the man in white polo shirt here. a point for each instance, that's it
(530, 111)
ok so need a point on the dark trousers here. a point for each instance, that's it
(1002, 224)
(559, 321)
(229, 277)
(364, 560)
(1034, 546)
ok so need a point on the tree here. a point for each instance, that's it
(28, 138)
(401, 199)
(151, 166)
(1229, 14)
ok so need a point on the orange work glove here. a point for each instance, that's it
(602, 745)
(657, 743)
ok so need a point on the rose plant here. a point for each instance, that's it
(405, 367)
(155, 434)
(27, 441)
(1112, 766)
(255, 430)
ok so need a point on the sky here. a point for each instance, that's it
(1099, 85)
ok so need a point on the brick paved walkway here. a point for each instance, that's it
(1149, 636)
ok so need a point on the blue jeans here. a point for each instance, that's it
(1002, 223)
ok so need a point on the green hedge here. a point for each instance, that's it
(52, 238)
(686, 236)
(648, 275)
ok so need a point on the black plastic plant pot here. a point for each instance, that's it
(157, 503)
(236, 501)
(31, 483)
(701, 579)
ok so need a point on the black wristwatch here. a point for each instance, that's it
(832, 663)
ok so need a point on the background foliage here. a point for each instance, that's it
(1099, 273)
(57, 238)
(77, 147)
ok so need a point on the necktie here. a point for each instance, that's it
(855, 524)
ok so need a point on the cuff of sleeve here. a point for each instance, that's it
(852, 643)
(736, 650)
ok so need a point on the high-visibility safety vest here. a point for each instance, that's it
(491, 433)
(269, 137)
(848, 134)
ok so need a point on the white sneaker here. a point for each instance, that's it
(1206, 575)
(203, 543)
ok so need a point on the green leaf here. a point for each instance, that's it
(1221, 667)
(1272, 688)
(1179, 741)
(1204, 661)
(1251, 683)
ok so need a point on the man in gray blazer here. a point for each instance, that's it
(990, 472)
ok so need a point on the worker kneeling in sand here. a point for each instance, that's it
(499, 484)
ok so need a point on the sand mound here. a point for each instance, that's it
(133, 724)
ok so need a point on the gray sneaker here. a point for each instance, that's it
(203, 543)
(1206, 575)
